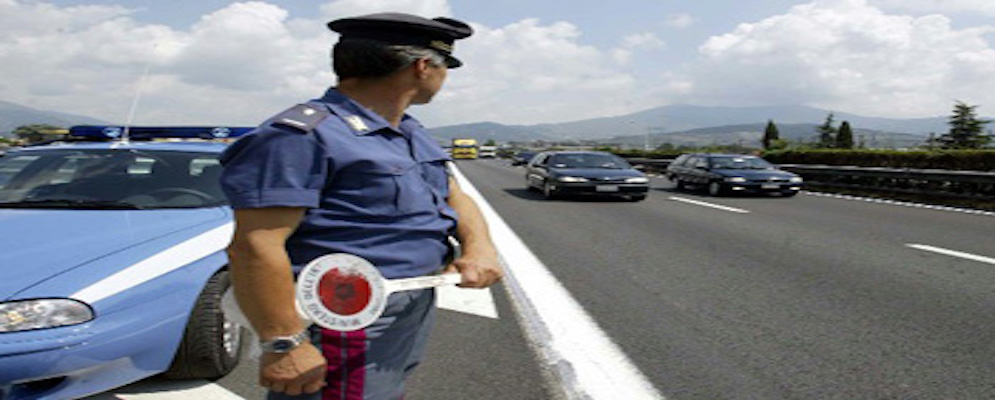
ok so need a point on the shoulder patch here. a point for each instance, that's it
(302, 117)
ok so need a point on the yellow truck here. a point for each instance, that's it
(465, 149)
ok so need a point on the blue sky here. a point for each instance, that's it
(531, 61)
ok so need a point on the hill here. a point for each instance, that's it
(15, 115)
(750, 135)
(722, 125)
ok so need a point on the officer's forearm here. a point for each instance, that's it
(260, 269)
(263, 284)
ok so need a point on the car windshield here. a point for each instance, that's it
(740, 163)
(109, 179)
(589, 160)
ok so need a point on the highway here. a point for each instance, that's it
(774, 298)
(811, 297)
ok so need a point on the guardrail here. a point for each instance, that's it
(936, 184)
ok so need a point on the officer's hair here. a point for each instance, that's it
(360, 58)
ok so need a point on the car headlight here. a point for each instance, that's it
(571, 179)
(40, 314)
(638, 179)
(795, 179)
(736, 179)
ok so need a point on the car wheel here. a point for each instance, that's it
(528, 184)
(548, 192)
(679, 184)
(715, 189)
(212, 343)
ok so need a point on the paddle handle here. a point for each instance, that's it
(423, 282)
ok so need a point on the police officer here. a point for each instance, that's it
(351, 172)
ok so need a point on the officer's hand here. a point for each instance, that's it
(478, 272)
(301, 370)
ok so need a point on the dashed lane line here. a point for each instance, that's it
(952, 253)
(710, 205)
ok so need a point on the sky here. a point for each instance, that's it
(209, 62)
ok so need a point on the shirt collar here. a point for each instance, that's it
(362, 120)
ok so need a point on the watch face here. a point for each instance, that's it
(283, 345)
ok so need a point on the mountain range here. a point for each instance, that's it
(675, 124)
(15, 115)
(702, 125)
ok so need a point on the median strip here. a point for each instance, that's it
(715, 206)
(952, 253)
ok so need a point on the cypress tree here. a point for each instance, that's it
(844, 139)
(771, 135)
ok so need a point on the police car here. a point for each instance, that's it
(113, 263)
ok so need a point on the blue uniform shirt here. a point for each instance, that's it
(371, 190)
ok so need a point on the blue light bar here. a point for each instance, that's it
(98, 132)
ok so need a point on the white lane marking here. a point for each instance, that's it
(705, 204)
(587, 363)
(901, 203)
(472, 301)
(159, 264)
(159, 389)
(952, 253)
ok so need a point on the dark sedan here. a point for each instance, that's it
(565, 173)
(724, 174)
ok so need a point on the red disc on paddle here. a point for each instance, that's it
(344, 293)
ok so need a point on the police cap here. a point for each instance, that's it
(437, 34)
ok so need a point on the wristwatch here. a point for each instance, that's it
(283, 344)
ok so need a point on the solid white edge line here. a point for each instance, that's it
(586, 362)
(952, 253)
(705, 204)
(158, 389)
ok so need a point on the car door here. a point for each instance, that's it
(537, 171)
(698, 170)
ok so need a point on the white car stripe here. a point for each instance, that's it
(160, 264)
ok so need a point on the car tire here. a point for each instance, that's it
(715, 189)
(211, 345)
(679, 184)
(528, 185)
(548, 192)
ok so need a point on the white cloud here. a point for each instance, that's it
(679, 21)
(527, 72)
(985, 7)
(348, 8)
(849, 56)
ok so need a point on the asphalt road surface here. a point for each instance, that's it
(811, 297)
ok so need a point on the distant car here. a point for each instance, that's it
(523, 157)
(563, 173)
(722, 174)
(114, 267)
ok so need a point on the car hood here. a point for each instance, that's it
(755, 174)
(36, 245)
(599, 173)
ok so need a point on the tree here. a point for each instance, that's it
(966, 130)
(827, 133)
(844, 138)
(771, 135)
(38, 132)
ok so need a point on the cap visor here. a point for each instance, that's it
(453, 62)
